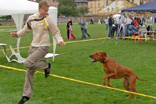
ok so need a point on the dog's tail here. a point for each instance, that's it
(141, 79)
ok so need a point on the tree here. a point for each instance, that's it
(83, 10)
(67, 8)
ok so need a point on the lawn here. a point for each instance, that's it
(76, 64)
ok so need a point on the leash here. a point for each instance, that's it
(33, 20)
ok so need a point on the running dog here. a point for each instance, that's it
(115, 71)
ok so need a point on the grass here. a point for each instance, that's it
(76, 64)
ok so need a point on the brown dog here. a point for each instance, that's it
(115, 71)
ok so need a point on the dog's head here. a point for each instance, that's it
(99, 56)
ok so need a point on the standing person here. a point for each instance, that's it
(41, 24)
(106, 23)
(127, 23)
(69, 29)
(69, 22)
(86, 26)
(110, 23)
(82, 23)
(148, 24)
(99, 21)
(138, 20)
(92, 21)
(70, 32)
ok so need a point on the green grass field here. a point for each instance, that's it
(76, 64)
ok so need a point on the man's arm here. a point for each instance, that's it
(55, 31)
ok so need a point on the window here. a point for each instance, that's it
(99, 5)
(106, 2)
(91, 12)
(107, 9)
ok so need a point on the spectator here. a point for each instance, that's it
(127, 23)
(148, 24)
(82, 23)
(110, 23)
(132, 28)
(106, 23)
(69, 22)
(70, 32)
(99, 21)
(92, 21)
(69, 29)
(86, 26)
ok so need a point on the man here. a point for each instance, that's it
(128, 22)
(40, 23)
(106, 23)
(110, 23)
(82, 23)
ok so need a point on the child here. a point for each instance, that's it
(70, 32)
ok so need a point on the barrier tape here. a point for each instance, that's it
(79, 81)
(86, 40)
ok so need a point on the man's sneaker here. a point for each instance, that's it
(47, 70)
(23, 100)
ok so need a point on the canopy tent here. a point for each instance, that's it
(18, 8)
(148, 7)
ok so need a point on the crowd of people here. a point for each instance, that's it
(128, 25)
(122, 27)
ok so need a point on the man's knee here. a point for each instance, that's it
(28, 64)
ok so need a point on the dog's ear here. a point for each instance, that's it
(104, 54)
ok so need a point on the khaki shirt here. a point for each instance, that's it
(40, 32)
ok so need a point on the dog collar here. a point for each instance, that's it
(105, 60)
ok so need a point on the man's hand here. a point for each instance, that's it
(62, 43)
(14, 34)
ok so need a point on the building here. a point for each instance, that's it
(116, 7)
(146, 1)
(53, 2)
(81, 3)
(95, 6)
(137, 2)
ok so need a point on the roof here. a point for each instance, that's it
(10, 7)
(148, 7)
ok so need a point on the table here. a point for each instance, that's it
(145, 32)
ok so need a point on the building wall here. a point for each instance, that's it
(81, 3)
(135, 1)
(146, 1)
(95, 5)
(116, 7)
(95, 9)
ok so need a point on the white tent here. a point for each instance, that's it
(18, 8)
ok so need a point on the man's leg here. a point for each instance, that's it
(109, 34)
(87, 33)
(33, 60)
(83, 33)
(28, 87)
(32, 63)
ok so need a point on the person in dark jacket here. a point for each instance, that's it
(68, 26)
(110, 23)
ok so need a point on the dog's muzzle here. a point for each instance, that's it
(93, 60)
